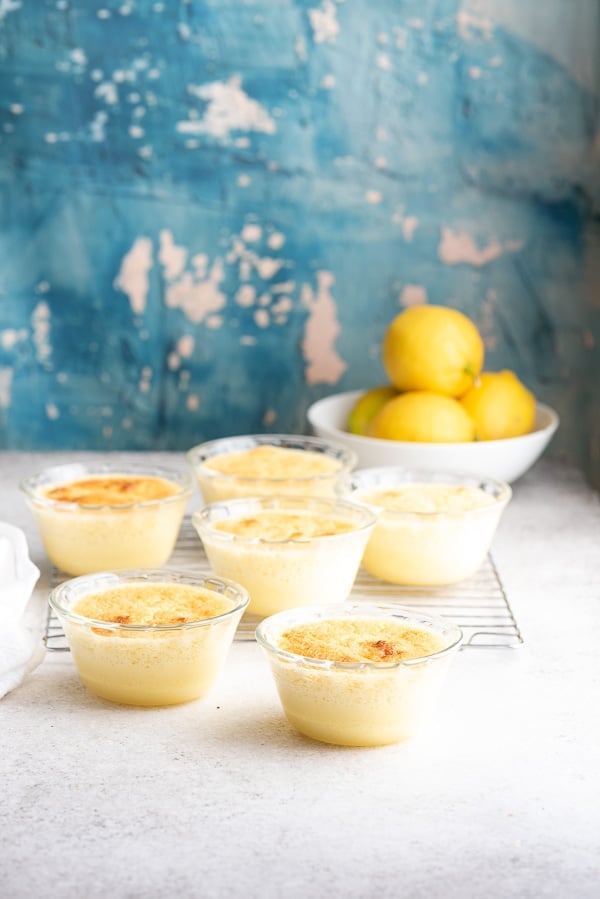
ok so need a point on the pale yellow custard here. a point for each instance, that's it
(112, 490)
(286, 558)
(275, 526)
(360, 640)
(429, 498)
(429, 534)
(268, 470)
(273, 462)
(102, 522)
(357, 680)
(152, 604)
(157, 654)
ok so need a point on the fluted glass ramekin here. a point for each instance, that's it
(305, 475)
(81, 538)
(282, 572)
(149, 664)
(358, 703)
(428, 548)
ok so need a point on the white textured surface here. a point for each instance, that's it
(221, 799)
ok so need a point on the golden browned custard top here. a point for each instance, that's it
(113, 490)
(428, 498)
(281, 525)
(273, 462)
(360, 640)
(152, 604)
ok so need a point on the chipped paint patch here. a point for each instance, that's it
(10, 337)
(588, 340)
(197, 299)
(40, 321)
(383, 62)
(132, 278)
(251, 233)
(413, 295)
(487, 320)
(98, 126)
(185, 346)
(324, 364)
(6, 379)
(324, 23)
(7, 6)
(266, 267)
(246, 295)
(229, 109)
(276, 240)
(408, 225)
(108, 92)
(459, 247)
(262, 318)
(471, 24)
(171, 257)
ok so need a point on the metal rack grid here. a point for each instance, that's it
(478, 605)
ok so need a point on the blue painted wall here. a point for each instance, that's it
(211, 210)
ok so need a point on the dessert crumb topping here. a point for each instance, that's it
(360, 640)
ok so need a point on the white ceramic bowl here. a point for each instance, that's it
(504, 460)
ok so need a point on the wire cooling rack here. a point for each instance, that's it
(478, 605)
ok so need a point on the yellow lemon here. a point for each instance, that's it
(423, 417)
(500, 405)
(432, 348)
(368, 405)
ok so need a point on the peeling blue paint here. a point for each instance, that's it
(358, 133)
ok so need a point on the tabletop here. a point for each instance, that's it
(221, 798)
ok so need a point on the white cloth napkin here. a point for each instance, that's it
(21, 614)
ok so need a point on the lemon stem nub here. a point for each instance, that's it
(469, 370)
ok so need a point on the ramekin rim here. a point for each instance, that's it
(185, 484)
(292, 500)
(505, 491)
(332, 665)
(140, 573)
(348, 462)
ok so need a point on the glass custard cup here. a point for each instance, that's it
(440, 535)
(147, 664)
(358, 702)
(84, 537)
(268, 465)
(287, 551)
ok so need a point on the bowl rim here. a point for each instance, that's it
(317, 407)
(281, 503)
(500, 499)
(357, 609)
(181, 477)
(149, 576)
(347, 457)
